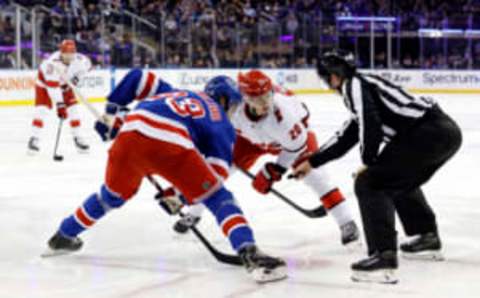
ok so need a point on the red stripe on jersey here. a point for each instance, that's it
(332, 198)
(37, 123)
(148, 86)
(52, 84)
(220, 170)
(83, 217)
(232, 223)
(75, 123)
(158, 125)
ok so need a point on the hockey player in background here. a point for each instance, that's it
(404, 140)
(272, 121)
(51, 89)
(136, 85)
(186, 138)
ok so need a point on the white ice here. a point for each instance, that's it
(133, 252)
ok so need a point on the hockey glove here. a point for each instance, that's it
(265, 178)
(62, 110)
(169, 200)
(106, 131)
(111, 122)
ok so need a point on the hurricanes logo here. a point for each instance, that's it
(206, 185)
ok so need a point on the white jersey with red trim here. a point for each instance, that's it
(284, 127)
(53, 73)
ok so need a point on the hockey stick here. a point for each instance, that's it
(313, 213)
(220, 256)
(56, 156)
(84, 101)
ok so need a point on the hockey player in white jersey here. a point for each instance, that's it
(51, 89)
(272, 121)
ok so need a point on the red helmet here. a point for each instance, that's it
(68, 46)
(254, 83)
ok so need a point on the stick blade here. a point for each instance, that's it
(317, 212)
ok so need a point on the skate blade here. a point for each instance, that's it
(429, 255)
(384, 276)
(263, 275)
(48, 253)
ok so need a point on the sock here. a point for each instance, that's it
(38, 121)
(94, 208)
(336, 206)
(230, 219)
(75, 122)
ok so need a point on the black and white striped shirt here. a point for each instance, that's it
(380, 111)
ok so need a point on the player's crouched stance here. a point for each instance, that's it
(174, 135)
(272, 121)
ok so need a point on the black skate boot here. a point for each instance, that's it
(263, 268)
(81, 145)
(33, 147)
(183, 224)
(350, 234)
(59, 245)
(424, 247)
(379, 267)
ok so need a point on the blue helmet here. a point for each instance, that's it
(223, 87)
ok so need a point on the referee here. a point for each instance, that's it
(404, 140)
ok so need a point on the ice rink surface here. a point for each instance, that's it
(133, 252)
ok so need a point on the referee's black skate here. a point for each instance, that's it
(262, 267)
(183, 224)
(423, 247)
(379, 267)
(60, 245)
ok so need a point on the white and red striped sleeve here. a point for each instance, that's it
(147, 86)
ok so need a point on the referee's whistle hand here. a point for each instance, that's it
(301, 170)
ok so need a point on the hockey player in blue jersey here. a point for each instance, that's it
(136, 85)
(186, 138)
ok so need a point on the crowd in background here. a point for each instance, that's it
(241, 33)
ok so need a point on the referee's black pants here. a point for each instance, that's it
(393, 182)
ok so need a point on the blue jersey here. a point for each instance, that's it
(185, 118)
(138, 85)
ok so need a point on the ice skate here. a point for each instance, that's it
(423, 247)
(33, 146)
(350, 235)
(262, 267)
(60, 245)
(81, 145)
(183, 224)
(379, 268)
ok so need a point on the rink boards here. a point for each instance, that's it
(17, 87)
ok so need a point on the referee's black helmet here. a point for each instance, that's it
(338, 62)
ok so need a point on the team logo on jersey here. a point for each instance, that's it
(206, 185)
